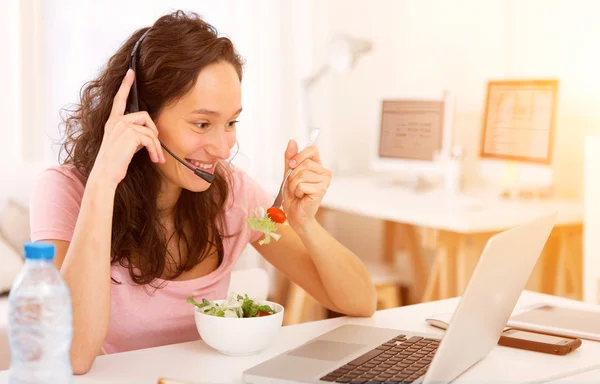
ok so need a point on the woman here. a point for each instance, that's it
(137, 232)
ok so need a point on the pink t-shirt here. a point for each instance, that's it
(142, 317)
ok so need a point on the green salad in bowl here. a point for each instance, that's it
(234, 306)
(237, 325)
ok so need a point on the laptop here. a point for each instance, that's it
(365, 354)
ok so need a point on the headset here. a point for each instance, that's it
(135, 105)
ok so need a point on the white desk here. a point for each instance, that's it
(441, 210)
(197, 363)
(462, 222)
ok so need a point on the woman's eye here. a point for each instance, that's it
(202, 125)
(232, 124)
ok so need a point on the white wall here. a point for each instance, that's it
(562, 39)
(427, 46)
(420, 48)
(10, 97)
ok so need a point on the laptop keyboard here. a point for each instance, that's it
(399, 360)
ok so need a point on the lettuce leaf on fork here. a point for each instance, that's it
(262, 222)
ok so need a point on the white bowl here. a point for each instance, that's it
(239, 336)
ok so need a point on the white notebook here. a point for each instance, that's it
(562, 321)
(543, 318)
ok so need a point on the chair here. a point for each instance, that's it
(387, 281)
(301, 307)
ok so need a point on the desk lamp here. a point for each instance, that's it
(342, 54)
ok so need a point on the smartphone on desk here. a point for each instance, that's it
(538, 342)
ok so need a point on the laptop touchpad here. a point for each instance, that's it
(326, 350)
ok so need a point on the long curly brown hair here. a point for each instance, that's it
(178, 46)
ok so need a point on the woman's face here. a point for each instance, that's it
(200, 127)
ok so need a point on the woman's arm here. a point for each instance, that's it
(323, 267)
(85, 266)
(306, 252)
(85, 261)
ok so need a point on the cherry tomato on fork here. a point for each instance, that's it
(276, 214)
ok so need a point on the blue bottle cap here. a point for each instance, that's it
(39, 251)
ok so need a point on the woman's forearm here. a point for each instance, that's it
(86, 270)
(344, 276)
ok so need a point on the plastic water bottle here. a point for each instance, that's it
(40, 321)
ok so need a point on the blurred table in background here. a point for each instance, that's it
(456, 227)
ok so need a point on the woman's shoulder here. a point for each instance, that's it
(59, 178)
(63, 172)
(55, 202)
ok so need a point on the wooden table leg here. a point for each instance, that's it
(470, 248)
(549, 264)
(561, 264)
(390, 241)
(431, 291)
(294, 305)
(575, 245)
(392, 233)
(416, 257)
(443, 272)
(282, 285)
(442, 256)
(449, 245)
(463, 263)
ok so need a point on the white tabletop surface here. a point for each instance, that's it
(468, 213)
(585, 377)
(195, 362)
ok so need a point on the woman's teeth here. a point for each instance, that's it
(200, 165)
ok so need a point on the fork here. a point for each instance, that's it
(279, 199)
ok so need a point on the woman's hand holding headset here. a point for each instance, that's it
(124, 135)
